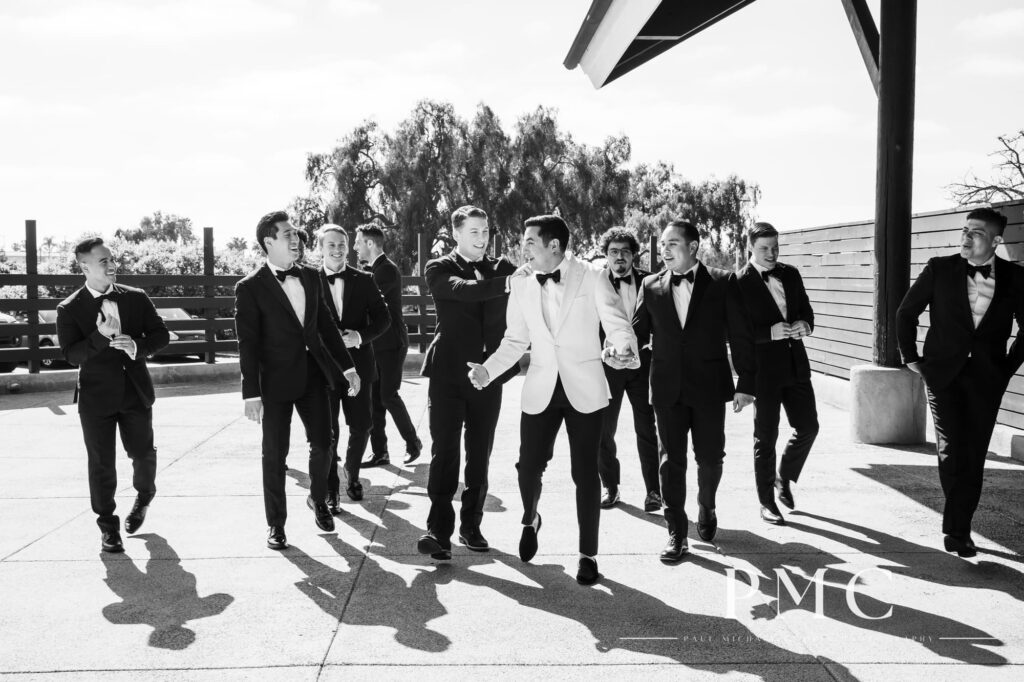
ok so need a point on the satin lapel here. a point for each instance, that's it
(270, 283)
(701, 282)
(574, 275)
(751, 281)
(668, 299)
(960, 293)
(534, 297)
(346, 295)
(329, 294)
(1002, 275)
(309, 286)
(787, 287)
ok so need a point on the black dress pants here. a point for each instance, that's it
(676, 424)
(386, 399)
(634, 383)
(537, 433)
(135, 422)
(459, 412)
(359, 419)
(965, 414)
(798, 400)
(315, 412)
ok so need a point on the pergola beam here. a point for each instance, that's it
(866, 34)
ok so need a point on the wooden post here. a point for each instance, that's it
(209, 291)
(421, 260)
(653, 246)
(32, 293)
(895, 172)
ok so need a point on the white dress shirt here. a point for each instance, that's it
(681, 295)
(337, 288)
(552, 293)
(775, 288)
(628, 293)
(980, 291)
(110, 311)
(295, 292)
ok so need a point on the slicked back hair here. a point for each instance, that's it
(550, 227)
(373, 233)
(688, 229)
(990, 216)
(460, 215)
(86, 246)
(620, 234)
(760, 230)
(267, 227)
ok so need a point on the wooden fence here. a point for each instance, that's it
(837, 264)
(216, 306)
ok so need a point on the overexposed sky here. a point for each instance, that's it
(112, 109)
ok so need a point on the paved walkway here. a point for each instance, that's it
(198, 596)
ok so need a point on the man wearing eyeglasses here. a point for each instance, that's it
(973, 297)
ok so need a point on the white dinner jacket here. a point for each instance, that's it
(574, 353)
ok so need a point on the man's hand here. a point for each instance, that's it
(741, 400)
(524, 270)
(780, 331)
(125, 343)
(354, 384)
(107, 325)
(478, 375)
(351, 339)
(799, 330)
(914, 367)
(254, 410)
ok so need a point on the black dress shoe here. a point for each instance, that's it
(322, 515)
(785, 494)
(707, 523)
(354, 489)
(653, 502)
(610, 499)
(276, 538)
(770, 514)
(334, 502)
(587, 573)
(963, 546)
(528, 541)
(136, 516)
(429, 544)
(675, 550)
(110, 541)
(412, 453)
(377, 460)
(473, 539)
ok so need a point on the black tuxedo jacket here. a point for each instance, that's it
(389, 281)
(470, 315)
(362, 310)
(952, 337)
(102, 368)
(645, 353)
(271, 342)
(689, 364)
(785, 360)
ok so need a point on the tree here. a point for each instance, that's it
(161, 227)
(1006, 184)
(237, 244)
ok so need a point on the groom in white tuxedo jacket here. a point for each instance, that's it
(557, 314)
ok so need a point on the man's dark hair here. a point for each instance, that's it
(689, 230)
(550, 227)
(373, 233)
(267, 227)
(460, 215)
(989, 216)
(620, 234)
(86, 246)
(760, 230)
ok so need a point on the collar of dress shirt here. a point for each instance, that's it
(462, 258)
(563, 267)
(97, 294)
(693, 270)
(332, 272)
(274, 269)
(760, 268)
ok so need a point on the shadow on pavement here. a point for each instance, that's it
(164, 597)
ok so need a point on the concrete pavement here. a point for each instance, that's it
(198, 596)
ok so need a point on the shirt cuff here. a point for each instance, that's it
(249, 400)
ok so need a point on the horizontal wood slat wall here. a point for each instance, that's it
(837, 265)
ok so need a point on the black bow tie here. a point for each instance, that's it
(677, 278)
(625, 279)
(984, 270)
(771, 273)
(480, 266)
(555, 277)
(344, 275)
(293, 271)
(109, 296)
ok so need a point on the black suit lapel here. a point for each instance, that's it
(701, 282)
(959, 283)
(757, 288)
(1001, 270)
(328, 293)
(270, 283)
(309, 285)
(789, 288)
(668, 302)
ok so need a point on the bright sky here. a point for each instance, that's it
(112, 109)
